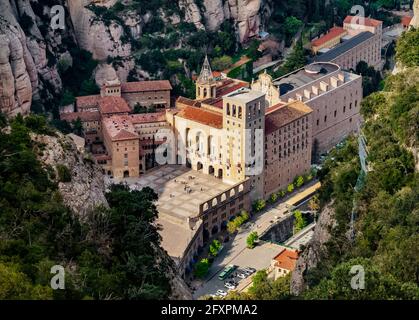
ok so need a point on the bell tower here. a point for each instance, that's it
(205, 84)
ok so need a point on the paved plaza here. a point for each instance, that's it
(181, 190)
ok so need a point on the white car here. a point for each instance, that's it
(230, 286)
(221, 293)
(242, 275)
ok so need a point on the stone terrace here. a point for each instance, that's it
(181, 190)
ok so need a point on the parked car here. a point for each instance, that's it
(229, 285)
(249, 270)
(243, 275)
(221, 293)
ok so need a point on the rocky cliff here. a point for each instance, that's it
(84, 190)
(31, 51)
(314, 251)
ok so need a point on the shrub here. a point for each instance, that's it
(299, 181)
(64, 174)
(282, 193)
(258, 205)
(273, 198)
(290, 188)
(251, 239)
(233, 225)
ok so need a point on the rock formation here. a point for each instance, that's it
(415, 20)
(30, 49)
(314, 251)
(86, 188)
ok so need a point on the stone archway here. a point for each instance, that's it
(211, 170)
(126, 174)
(214, 230)
(220, 174)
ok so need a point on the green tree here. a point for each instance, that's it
(299, 181)
(201, 268)
(290, 188)
(407, 51)
(222, 63)
(297, 58)
(259, 205)
(299, 221)
(88, 87)
(291, 26)
(67, 98)
(214, 248)
(251, 239)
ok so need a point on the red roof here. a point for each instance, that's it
(85, 116)
(148, 117)
(332, 34)
(215, 102)
(206, 117)
(281, 115)
(223, 90)
(287, 259)
(124, 135)
(113, 105)
(87, 101)
(369, 22)
(142, 86)
(406, 21)
(188, 102)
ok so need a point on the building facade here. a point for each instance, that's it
(333, 94)
(362, 41)
(243, 142)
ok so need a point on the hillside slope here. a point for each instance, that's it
(385, 206)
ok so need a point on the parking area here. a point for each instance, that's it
(258, 258)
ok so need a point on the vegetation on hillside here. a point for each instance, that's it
(112, 254)
(386, 223)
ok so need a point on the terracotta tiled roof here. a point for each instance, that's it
(369, 22)
(113, 105)
(87, 101)
(215, 102)
(406, 21)
(284, 114)
(119, 127)
(332, 34)
(124, 135)
(84, 116)
(226, 89)
(188, 102)
(287, 259)
(142, 86)
(206, 117)
(148, 117)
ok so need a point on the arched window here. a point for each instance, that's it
(228, 109)
(205, 92)
(234, 110)
(240, 112)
